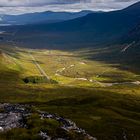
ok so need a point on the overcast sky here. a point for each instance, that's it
(26, 6)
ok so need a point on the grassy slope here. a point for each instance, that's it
(105, 112)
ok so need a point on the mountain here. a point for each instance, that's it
(125, 52)
(94, 29)
(132, 39)
(129, 55)
(90, 30)
(133, 35)
(44, 17)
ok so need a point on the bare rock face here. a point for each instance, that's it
(12, 116)
(10, 120)
(15, 116)
(44, 135)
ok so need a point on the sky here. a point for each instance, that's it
(28, 6)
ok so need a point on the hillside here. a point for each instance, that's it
(41, 17)
(108, 94)
(134, 34)
(125, 52)
(91, 30)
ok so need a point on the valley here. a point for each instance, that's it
(94, 94)
(67, 67)
(67, 75)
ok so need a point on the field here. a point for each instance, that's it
(100, 97)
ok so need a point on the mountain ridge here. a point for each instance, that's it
(37, 17)
(90, 30)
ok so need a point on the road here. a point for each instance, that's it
(128, 46)
(58, 72)
(42, 72)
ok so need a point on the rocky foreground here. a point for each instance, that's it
(16, 116)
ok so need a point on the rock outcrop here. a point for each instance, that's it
(15, 116)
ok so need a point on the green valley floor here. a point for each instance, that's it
(100, 97)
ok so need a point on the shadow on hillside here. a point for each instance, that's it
(128, 60)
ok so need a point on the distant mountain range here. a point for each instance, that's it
(42, 17)
(91, 30)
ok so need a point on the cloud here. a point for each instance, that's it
(28, 3)
(25, 6)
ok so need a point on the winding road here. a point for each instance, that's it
(102, 84)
